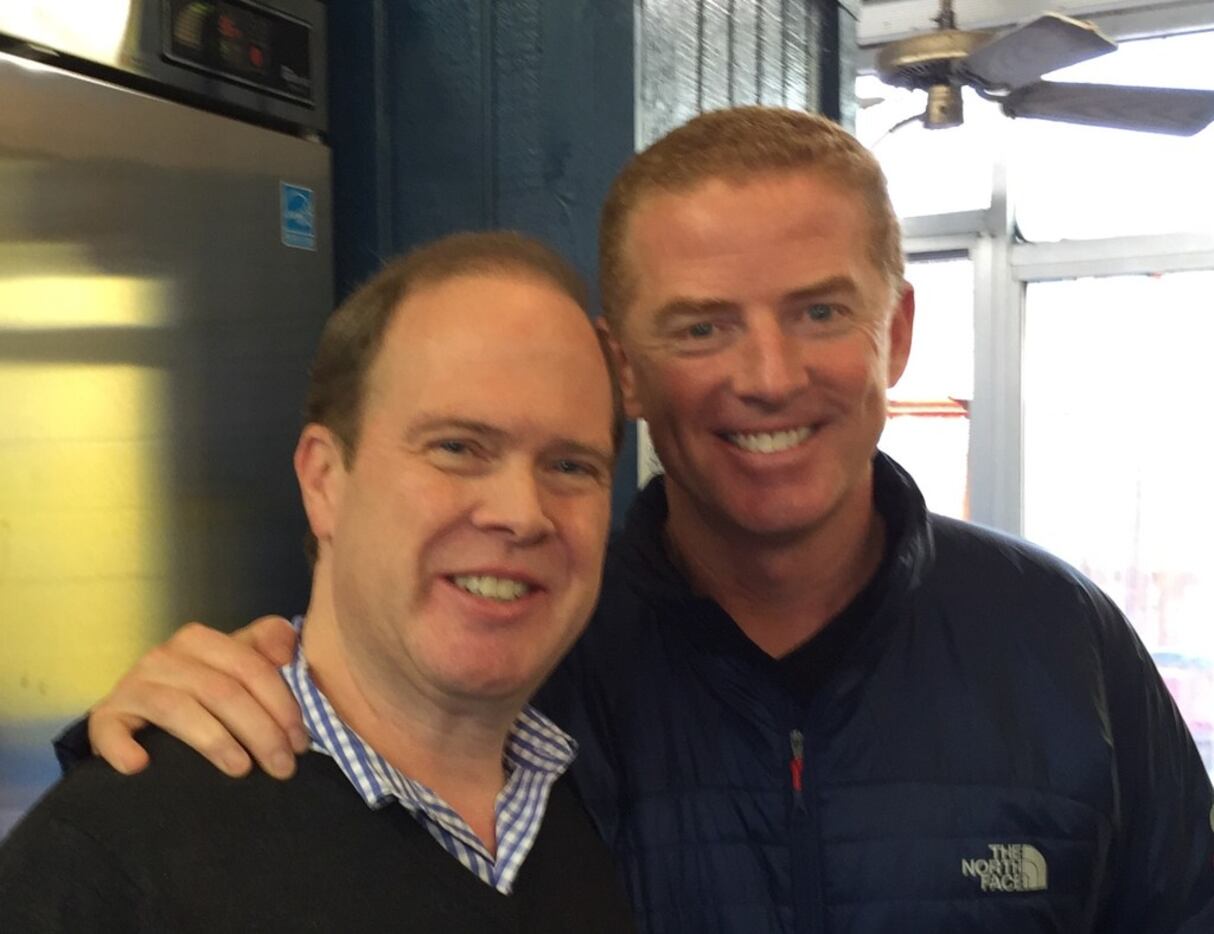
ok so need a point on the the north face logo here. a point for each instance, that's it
(1011, 867)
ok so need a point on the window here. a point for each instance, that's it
(1066, 308)
(1078, 182)
(1116, 473)
(929, 171)
(928, 428)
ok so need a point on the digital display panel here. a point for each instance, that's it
(243, 42)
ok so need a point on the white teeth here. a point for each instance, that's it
(770, 442)
(495, 588)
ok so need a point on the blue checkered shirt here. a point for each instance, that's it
(537, 752)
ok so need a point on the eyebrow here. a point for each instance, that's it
(691, 307)
(605, 457)
(432, 423)
(835, 285)
(436, 423)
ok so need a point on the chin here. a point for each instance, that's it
(777, 529)
(495, 679)
(768, 513)
(490, 686)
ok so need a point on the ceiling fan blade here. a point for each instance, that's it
(1179, 111)
(1023, 55)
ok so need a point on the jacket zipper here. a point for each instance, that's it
(808, 910)
(796, 767)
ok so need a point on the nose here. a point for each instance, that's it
(770, 369)
(512, 504)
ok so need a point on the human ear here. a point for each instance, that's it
(901, 329)
(623, 370)
(320, 469)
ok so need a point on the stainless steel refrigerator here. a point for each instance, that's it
(165, 268)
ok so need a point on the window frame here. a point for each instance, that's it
(1003, 268)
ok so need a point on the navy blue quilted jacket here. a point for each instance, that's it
(994, 752)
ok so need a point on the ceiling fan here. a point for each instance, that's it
(1007, 68)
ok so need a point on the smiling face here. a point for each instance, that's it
(463, 544)
(758, 343)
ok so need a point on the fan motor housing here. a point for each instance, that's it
(922, 61)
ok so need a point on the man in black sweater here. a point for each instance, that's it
(456, 479)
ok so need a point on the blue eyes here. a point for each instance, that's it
(578, 469)
(454, 447)
(816, 313)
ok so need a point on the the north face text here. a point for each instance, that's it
(1011, 867)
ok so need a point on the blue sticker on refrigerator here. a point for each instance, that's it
(298, 210)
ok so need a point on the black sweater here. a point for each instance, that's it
(182, 848)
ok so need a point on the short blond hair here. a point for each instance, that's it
(736, 144)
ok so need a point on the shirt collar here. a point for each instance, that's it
(534, 744)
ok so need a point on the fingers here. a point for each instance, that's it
(272, 636)
(274, 640)
(215, 693)
(110, 738)
(234, 681)
(173, 711)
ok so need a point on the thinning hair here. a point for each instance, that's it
(738, 144)
(354, 333)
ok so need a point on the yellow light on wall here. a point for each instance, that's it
(83, 528)
(45, 303)
(85, 516)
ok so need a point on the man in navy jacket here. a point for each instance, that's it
(806, 704)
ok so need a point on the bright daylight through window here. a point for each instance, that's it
(1060, 370)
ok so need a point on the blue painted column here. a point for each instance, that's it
(460, 114)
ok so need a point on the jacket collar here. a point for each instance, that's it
(641, 546)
